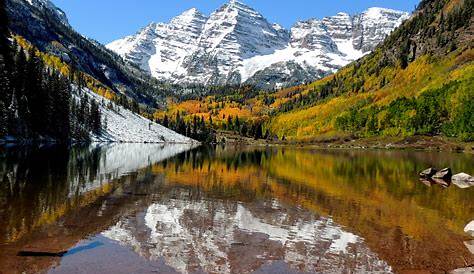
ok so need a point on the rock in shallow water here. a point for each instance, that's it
(467, 270)
(462, 184)
(463, 270)
(442, 182)
(428, 173)
(463, 180)
(444, 174)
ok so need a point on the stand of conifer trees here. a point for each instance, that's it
(196, 129)
(36, 102)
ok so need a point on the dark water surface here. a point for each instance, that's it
(127, 208)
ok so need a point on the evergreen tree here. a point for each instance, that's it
(244, 129)
(95, 118)
(19, 73)
(5, 85)
(230, 123)
(258, 132)
(13, 116)
(237, 123)
(3, 120)
(37, 97)
(166, 121)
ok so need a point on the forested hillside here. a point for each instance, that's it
(420, 81)
(36, 101)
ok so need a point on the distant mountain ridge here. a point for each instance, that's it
(236, 44)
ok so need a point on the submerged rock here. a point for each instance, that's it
(444, 174)
(463, 270)
(462, 184)
(428, 173)
(469, 229)
(442, 182)
(427, 182)
(431, 182)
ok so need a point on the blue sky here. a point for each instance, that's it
(107, 20)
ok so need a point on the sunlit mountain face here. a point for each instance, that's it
(237, 45)
(149, 208)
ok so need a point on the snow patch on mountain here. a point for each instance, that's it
(122, 125)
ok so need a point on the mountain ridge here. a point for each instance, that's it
(232, 36)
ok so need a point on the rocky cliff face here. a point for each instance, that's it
(236, 44)
(47, 6)
(372, 26)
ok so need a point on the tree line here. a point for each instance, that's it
(196, 129)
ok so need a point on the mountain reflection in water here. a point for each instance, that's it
(126, 208)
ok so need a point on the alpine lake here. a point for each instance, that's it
(151, 208)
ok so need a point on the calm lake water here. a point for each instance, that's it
(127, 208)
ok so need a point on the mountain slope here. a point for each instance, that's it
(122, 125)
(236, 44)
(47, 28)
(43, 98)
(420, 81)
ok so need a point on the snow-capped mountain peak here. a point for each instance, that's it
(373, 25)
(189, 17)
(377, 12)
(236, 44)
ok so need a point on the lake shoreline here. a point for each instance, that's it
(425, 143)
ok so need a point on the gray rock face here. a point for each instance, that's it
(232, 33)
(340, 26)
(287, 72)
(236, 44)
(47, 6)
(312, 35)
(372, 26)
